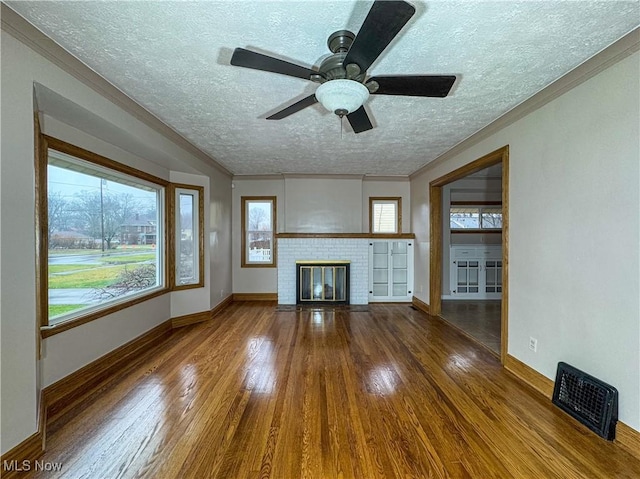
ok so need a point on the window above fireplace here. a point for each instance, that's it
(385, 215)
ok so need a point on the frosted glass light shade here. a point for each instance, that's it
(342, 96)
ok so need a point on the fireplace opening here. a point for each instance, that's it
(322, 282)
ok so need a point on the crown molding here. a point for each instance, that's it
(312, 176)
(386, 178)
(271, 176)
(617, 51)
(26, 33)
(280, 176)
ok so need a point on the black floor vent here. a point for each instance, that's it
(589, 400)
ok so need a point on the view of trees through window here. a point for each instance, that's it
(103, 235)
(259, 231)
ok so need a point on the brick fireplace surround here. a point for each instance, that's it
(308, 247)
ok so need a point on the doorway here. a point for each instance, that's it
(498, 157)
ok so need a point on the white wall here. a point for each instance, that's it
(309, 205)
(254, 280)
(574, 223)
(22, 376)
(323, 205)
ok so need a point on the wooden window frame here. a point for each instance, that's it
(174, 243)
(386, 199)
(43, 144)
(480, 205)
(244, 261)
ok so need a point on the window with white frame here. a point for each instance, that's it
(258, 227)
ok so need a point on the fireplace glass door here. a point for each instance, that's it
(322, 283)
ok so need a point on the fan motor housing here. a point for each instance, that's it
(332, 68)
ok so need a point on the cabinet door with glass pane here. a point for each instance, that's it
(476, 272)
(390, 270)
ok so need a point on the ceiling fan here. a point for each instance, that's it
(344, 85)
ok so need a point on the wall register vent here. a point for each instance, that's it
(589, 400)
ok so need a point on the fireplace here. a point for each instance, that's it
(322, 282)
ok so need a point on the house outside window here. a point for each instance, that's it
(104, 244)
(258, 227)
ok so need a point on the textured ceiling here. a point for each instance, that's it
(173, 59)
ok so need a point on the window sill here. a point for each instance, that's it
(48, 331)
(345, 235)
(475, 231)
(258, 265)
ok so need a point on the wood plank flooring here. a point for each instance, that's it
(385, 393)
(481, 319)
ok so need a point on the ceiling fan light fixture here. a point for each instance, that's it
(342, 96)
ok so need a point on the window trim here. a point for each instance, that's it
(480, 205)
(244, 262)
(174, 188)
(386, 199)
(43, 145)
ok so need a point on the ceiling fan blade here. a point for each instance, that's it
(258, 61)
(414, 85)
(296, 107)
(383, 22)
(359, 120)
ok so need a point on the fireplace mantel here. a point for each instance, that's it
(346, 235)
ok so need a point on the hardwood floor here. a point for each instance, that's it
(479, 319)
(384, 393)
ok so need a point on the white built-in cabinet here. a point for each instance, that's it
(476, 272)
(390, 270)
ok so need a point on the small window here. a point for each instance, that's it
(189, 238)
(475, 217)
(258, 227)
(385, 215)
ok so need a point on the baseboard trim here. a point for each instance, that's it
(530, 376)
(22, 457)
(626, 437)
(65, 394)
(421, 305)
(192, 318)
(255, 296)
(221, 306)
(28, 450)
(202, 316)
